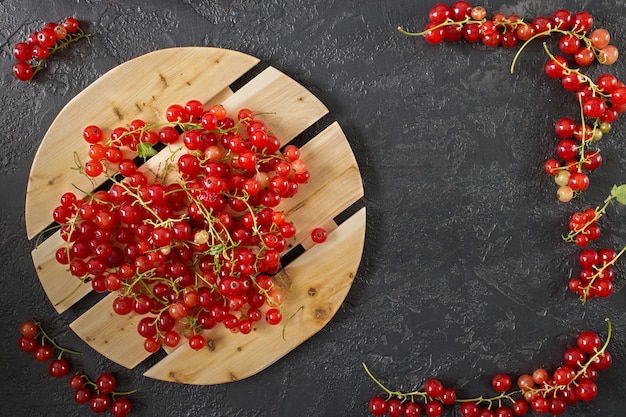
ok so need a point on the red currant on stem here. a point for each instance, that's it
(541, 392)
(582, 225)
(35, 339)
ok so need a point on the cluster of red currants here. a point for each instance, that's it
(34, 339)
(101, 394)
(461, 20)
(435, 396)
(540, 392)
(596, 273)
(198, 244)
(601, 101)
(32, 53)
(583, 227)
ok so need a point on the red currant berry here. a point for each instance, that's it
(411, 409)
(394, 407)
(121, 407)
(433, 408)
(589, 342)
(99, 403)
(23, 71)
(439, 13)
(378, 406)
(433, 388)
(58, 368)
(586, 390)
(501, 382)
(105, 383)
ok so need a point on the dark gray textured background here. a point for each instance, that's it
(464, 273)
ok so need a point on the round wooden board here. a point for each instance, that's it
(314, 284)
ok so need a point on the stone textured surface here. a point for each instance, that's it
(464, 273)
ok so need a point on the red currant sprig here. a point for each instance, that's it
(583, 226)
(39, 46)
(101, 394)
(34, 339)
(571, 382)
(596, 274)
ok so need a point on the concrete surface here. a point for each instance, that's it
(464, 274)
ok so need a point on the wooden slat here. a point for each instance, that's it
(140, 88)
(103, 329)
(319, 282)
(284, 105)
(62, 288)
(337, 179)
(335, 185)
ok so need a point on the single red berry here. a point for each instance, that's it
(121, 407)
(586, 390)
(469, 409)
(70, 24)
(589, 342)
(378, 406)
(319, 235)
(394, 407)
(105, 383)
(58, 368)
(43, 353)
(27, 344)
(501, 382)
(23, 71)
(433, 408)
(433, 388)
(29, 329)
(411, 409)
(99, 403)
(82, 395)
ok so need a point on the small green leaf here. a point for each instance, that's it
(145, 150)
(619, 193)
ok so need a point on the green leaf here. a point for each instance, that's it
(619, 193)
(145, 150)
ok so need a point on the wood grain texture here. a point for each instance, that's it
(140, 88)
(104, 330)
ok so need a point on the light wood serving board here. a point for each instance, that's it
(314, 284)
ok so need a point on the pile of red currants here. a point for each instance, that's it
(196, 244)
(32, 53)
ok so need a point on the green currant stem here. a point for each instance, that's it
(544, 34)
(44, 337)
(116, 394)
(70, 294)
(447, 22)
(400, 395)
(491, 400)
